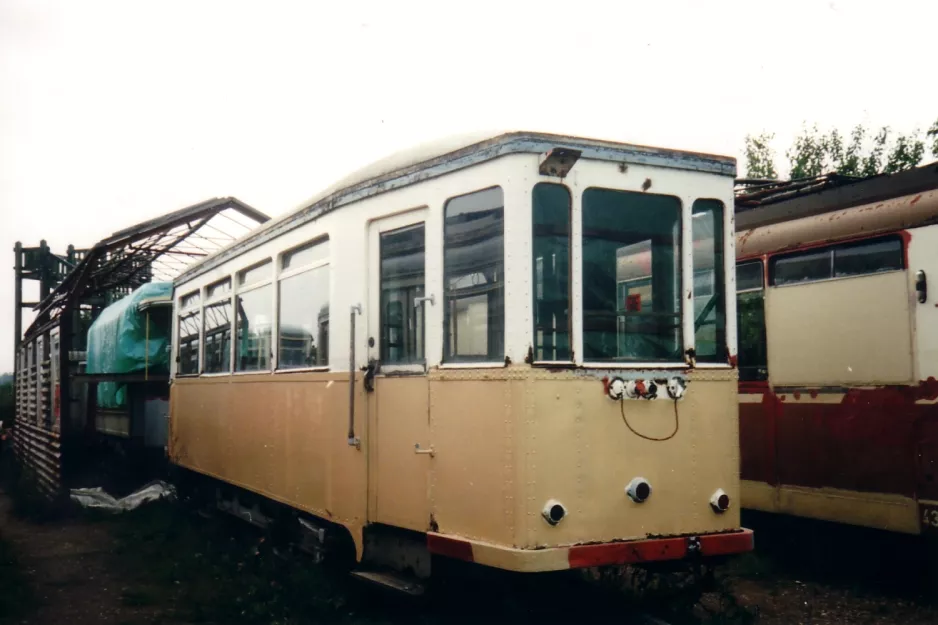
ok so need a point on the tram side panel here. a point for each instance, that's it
(844, 427)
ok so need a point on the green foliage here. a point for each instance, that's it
(809, 154)
(932, 135)
(760, 158)
(814, 153)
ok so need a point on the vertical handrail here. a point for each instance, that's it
(353, 440)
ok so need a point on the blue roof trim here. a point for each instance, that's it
(513, 143)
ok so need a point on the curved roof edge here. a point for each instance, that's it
(443, 156)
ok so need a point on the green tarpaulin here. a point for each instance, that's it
(119, 342)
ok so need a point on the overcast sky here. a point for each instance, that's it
(113, 112)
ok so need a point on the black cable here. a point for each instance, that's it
(677, 424)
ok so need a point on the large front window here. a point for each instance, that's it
(631, 276)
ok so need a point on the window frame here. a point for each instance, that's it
(237, 289)
(484, 362)
(572, 298)
(831, 250)
(761, 289)
(186, 309)
(719, 279)
(684, 233)
(280, 275)
(762, 283)
(207, 302)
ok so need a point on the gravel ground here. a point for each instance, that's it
(159, 565)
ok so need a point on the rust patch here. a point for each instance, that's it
(647, 184)
(813, 393)
(734, 360)
(451, 547)
(915, 199)
(796, 395)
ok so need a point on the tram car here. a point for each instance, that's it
(487, 349)
(838, 337)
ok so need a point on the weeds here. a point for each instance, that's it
(215, 570)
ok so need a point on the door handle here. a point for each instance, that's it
(420, 300)
(417, 450)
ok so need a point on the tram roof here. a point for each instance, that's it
(450, 154)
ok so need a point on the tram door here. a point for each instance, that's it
(401, 462)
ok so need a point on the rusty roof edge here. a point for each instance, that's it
(143, 229)
(472, 154)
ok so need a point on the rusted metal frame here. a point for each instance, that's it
(162, 224)
(475, 154)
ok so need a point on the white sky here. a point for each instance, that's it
(113, 112)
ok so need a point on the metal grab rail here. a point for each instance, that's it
(353, 440)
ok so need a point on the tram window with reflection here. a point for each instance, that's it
(631, 276)
(474, 280)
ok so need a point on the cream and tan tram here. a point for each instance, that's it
(520, 352)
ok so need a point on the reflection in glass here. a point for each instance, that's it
(218, 337)
(189, 344)
(473, 260)
(749, 276)
(219, 288)
(551, 253)
(753, 355)
(304, 319)
(252, 330)
(631, 276)
(255, 274)
(305, 255)
(402, 281)
(709, 299)
(868, 257)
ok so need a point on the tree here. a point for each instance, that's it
(760, 158)
(932, 134)
(814, 153)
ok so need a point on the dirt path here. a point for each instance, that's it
(68, 565)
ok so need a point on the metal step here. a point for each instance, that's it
(393, 581)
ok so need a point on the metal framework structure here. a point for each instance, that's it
(49, 417)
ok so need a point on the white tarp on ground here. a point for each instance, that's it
(97, 498)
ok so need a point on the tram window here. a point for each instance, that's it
(189, 343)
(187, 355)
(402, 281)
(551, 253)
(748, 276)
(307, 254)
(709, 295)
(189, 301)
(750, 321)
(252, 329)
(304, 307)
(219, 288)
(867, 257)
(474, 280)
(839, 261)
(218, 337)
(255, 274)
(631, 276)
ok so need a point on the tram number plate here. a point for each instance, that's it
(928, 513)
